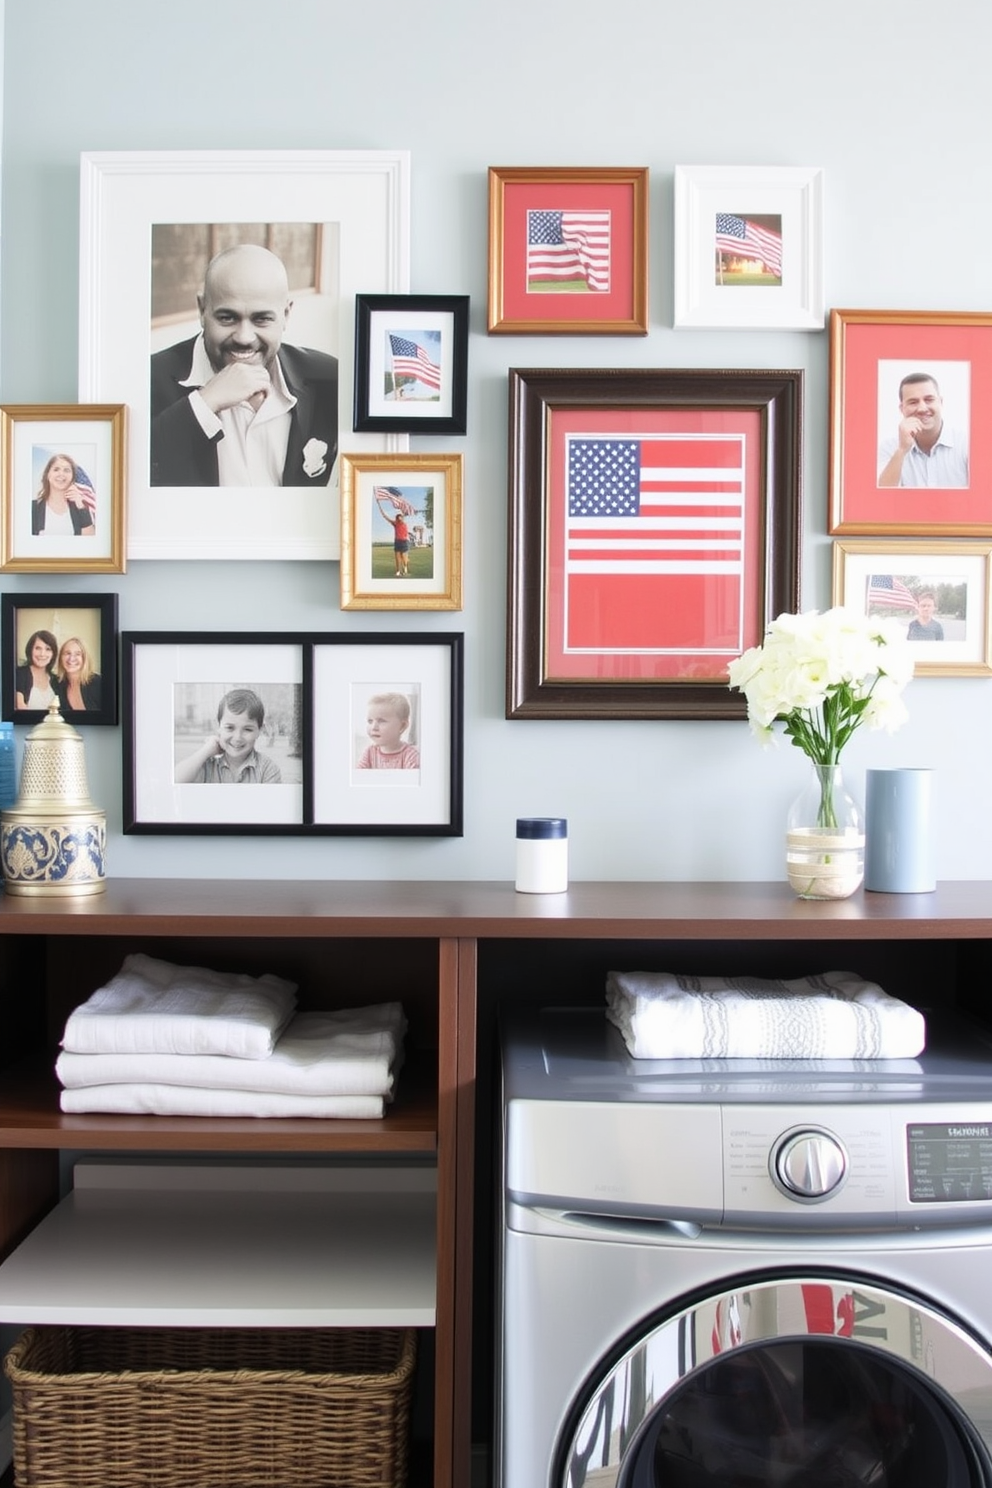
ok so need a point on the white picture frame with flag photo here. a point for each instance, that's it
(411, 363)
(937, 592)
(749, 247)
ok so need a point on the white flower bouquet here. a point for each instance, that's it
(821, 677)
(824, 675)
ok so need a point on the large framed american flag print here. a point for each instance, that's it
(568, 250)
(655, 521)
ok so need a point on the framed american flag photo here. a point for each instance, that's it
(411, 363)
(654, 532)
(568, 250)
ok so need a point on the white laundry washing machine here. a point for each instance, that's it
(743, 1274)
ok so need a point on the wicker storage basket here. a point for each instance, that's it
(211, 1408)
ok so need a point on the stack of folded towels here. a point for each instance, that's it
(832, 1016)
(183, 1041)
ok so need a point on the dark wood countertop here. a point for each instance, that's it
(484, 909)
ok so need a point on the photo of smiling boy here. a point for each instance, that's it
(229, 755)
(387, 720)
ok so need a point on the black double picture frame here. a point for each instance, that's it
(345, 734)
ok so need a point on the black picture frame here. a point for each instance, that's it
(310, 692)
(415, 319)
(92, 618)
(544, 403)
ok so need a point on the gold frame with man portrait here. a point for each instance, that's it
(873, 353)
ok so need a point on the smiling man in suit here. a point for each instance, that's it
(235, 406)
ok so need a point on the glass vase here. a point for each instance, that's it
(825, 837)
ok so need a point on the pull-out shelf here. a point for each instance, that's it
(231, 1246)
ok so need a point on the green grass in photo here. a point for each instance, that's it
(772, 281)
(384, 565)
(558, 286)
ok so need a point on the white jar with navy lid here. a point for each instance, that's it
(542, 855)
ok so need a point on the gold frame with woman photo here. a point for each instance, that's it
(432, 577)
(85, 443)
(89, 620)
(889, 579)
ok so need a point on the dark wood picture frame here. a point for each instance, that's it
(91, 618)
(412, 318)
(620, 403)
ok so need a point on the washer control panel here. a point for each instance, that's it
(779, 1160)
(808, 1164)
(867, 1163)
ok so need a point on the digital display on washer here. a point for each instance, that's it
(950, 1163)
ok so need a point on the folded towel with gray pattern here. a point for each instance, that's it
(836, 1015)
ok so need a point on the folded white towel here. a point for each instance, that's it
(188, 1100)
(833, 1016)
(153, 1007)
(354, 1051)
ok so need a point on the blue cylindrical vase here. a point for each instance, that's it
(900, 857)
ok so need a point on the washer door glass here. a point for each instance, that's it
(805, 1383)
(804, 1415)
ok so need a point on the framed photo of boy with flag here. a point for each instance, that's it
(401, 532)
(654, 532)
(568, 250)
(411, 363)
(937, 592)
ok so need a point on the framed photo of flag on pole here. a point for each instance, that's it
(937, 592)
(749, 246)
(568, 251)
(411, 363)
(654, 532)
(62, 488)
(401, 532)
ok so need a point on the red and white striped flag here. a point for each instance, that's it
(411, 360)
(654, 542)
(887, 592)
(395, 499)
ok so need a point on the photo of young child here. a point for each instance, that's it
(230, 752)
(388, 718)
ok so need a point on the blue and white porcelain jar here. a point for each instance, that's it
(53, 840)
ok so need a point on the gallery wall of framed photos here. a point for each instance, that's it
(441, 265)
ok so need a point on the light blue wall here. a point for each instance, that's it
(892, 102)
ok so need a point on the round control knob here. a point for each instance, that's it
(809, 1164)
